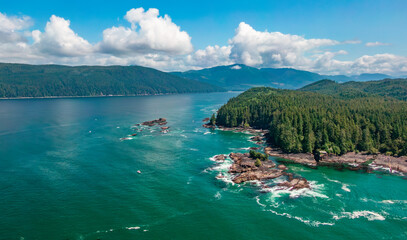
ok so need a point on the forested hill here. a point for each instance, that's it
(242, 77)
(22, 80)
(302, 121)
(396, 88)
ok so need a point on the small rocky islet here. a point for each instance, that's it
(245, 168)
(162, 122)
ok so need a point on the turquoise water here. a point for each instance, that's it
(65, 174)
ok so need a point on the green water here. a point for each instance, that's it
(65, 174)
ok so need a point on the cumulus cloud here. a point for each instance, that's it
(210, 56)
(375, 44)
(148, 33)
(256, 48)
(13, 40)
(60, 40)
(155, 41)
(379, 63)
(10, 27)
(13, 23)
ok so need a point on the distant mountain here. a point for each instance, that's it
(370, 77)
(241, 77)
(22, 80)
(396, 88)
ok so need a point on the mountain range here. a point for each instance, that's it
(242, 77)
(23, 80)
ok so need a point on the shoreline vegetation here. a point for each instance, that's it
(24, 80)
(100, 96)
(255, 166)
(306, 122)
(351, 160)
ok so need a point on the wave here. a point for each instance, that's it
(345, 187)
(278, 191)
(205, 133)
(133, 228)
(303, 220)
(244, 148)
(369, 215)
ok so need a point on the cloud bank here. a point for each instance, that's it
(156, 41)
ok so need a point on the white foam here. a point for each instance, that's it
(369, 215)
(218, 195)
(245, 148)
(126, 138)
(209, 133)
(133, 228)
(394, 201)
(345, 187)
(279, 191)
(306, 221)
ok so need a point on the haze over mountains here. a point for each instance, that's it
(242, 77)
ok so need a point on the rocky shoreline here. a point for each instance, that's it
(244, 167)
(351, 160)
(247, 168)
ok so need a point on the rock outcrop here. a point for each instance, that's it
(160, 121)
(351, 160)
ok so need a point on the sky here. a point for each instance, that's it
(329, 37)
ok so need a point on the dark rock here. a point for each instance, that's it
(257, 138)
(295, 183)
(220, 158)
(151, 123)
(209, 126)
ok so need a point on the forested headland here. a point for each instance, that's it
(301, 121)
(22, 80)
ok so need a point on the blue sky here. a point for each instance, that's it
(210, 23)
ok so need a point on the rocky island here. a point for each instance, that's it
(246, 167)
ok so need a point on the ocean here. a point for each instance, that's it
(70, 169)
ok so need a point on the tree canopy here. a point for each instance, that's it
(305, 121)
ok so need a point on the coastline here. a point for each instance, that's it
(106, 96)
(351, 160)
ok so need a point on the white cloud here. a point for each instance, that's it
(210, 56)
(59, 39)
(352, 42)
(375, 44)
(155, 41)
(13, 23)
(148, 33)
(10, 27)
(255, 48)
(379, 63)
